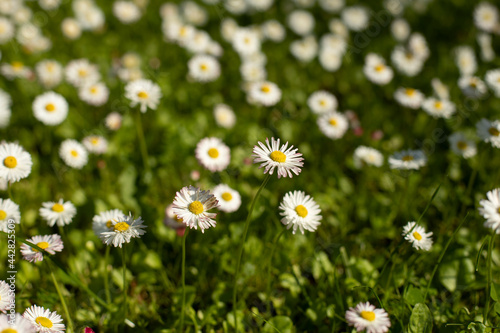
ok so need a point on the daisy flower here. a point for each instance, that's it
(333, 124)
(300, 211)
(417, 236)
(376, 70)
(461, 146)
(366, 317)
(408, 160)
(406, 62)
(123, 229)
(113, 121)
(472, 86)
(440, 89)
(73, 153)
(492, 79)
(486, 16)
(265, 93)
(6, 30)
(438, 108)
(213, 154)
(301, 22)
(490, 210)
(224, 116)
(229, 199)
(286, 160)
(204, 68)
(6, 295)
(50, 108)
(485, 43)
(44, 320)
(304, 49)
(20, 325)
(95, 144)
(488, 131)
(71, 28)
(95, 94)
(400, 29)
(465, 58)
(104, 221)
(49, 72)
(143, 92)
(322, 102)
(409, 97)
(49, 243)
(245, 41)
(369, 156)
(192, 205)
(418, 46)
(81, 71)
(273, 30)
(60, 212)
(15, 69)
(356, 18)
(15, 162)
(5, 111)
(171, 220)
(126, 11)
(9, 210)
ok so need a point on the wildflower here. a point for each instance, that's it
(192, 205)
(49, 243)
(44, 320)
(300, 211)
(15, 162)
(490, 210)
(73, 153)
(366, 317)
(285, 159)
(123, 229)
(408, 160)
(417, 236)
(229, 199)
(143, 92)
(60, 213)
(213, 154)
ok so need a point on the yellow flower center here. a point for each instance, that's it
(45, 322)
(498, 210)
(93, 90)
(438, 105)
(74, 153)
(17, 65)
(407, 158)
(50, 67)
(3, 214)
(50, 107)
(42, 245)
(322, 102)
(142, 94)
(368, 315)
(301, 211)
(410, 92)
(121, 227)
(177, 219)
(196, 207)
(9, 330)
(10, 162)
(109, 224)
(379, 68)
(82, 72)
(493, 131)
(417, 236)
(58, 208)
(213, 153)
(333, 122)
(246, 40)
(203, 67)
(461, 145)
(94, 141)
(265, 88)
(278, 156)
(182, 31)
(226, 196)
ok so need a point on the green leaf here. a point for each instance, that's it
(420, 320)
(495, 292)
(414, 295)
(281, 324)
(476, 327)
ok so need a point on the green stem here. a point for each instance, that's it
(61, 297)
(275, 245)
(442, 255)
(183, 278)
(142, 141)
(488, 286)
(106, 280)
(242, 244)
(125, 296)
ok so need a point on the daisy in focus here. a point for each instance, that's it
(191, 205)
(104, 221)
(60, 213)
(213, 154)
(9, 210)
(367, 317)
(20, 325)
(49, 243)
(417, 236)
(408, 160)
(122, 230)
(6, 295)
(15, 162)
(333, 124)
(73, 153)
(490, 210)
(144, 92)
(229, 199)
(44, 320)
(300, 211)
(285, 159)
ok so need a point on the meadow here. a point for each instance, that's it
(249, 166)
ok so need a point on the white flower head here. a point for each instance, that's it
(81, 71)
(126, 11)
(408, 160)
(406, 62)
(367, 155)
(95, 94)
(213, 154)
(49, 72)
(44, 320)
(492, 79)
(488, 131)
(462, 146)
(95, 144)
(224, 116)
(333, 124)
(376, 70)
(191, 205)
(322, 102)
(285, 159)
(438, 108)
(113, 121)
(486, 16)
(60, 213)
(301, 22)
(417, 236)
(356, 18)
(123, 229)
(103, 221)
(50, 108)
(265, 93)
(229, 199)
(246, 41)
(15, 162)
(204, 68)
(18, 325)
(6, 296)
(300, 211)
(472, 86)
(73, 153)
(490, 210)
(409, 97)
(9, 210)
(366, 317)
(144, 92)
(49, 243)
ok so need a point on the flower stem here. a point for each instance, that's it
(106, 281)
(275, 245)
(488, 286)
(61, 297)
(183, 278)
(142, 140)
(124, 284)
(242, 244)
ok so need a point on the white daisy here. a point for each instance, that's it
(301, 22)
(465, 58)
(126, 11)
(376, 70)
(409, 97)
(104, 221)
(492, 78)
(6, 30)
(472, 86)
(485, 43)
(408, 160)
(461, 146)
(5, 111)
(333, 43)
(44, 320)
(213, 154)
(366, 317)
(356, 18)
(417, 236)
(322, 102)
(204, 68)
(304, 49)
(171, 220)
(113, 121)
(273, 30)
(418, 46)
(19, 325)
(332, 6)
(9, 210)
(143, 92)
(406, 62)
(123, 229)
(490, 210)
(488, 131)
(73, 153)
(50, 108)
(252, 71)
(60, 212)
(330, 61)
(367, 155)
(81, 71)
(15, 69)
(71, 28)
(300, 211)
(199, 42)
(95, 144)
(333, 124)
(265, 93)
(224, 116)
(95, 94)
(400, 29)
(438, 108)
(486, 16)
(49, 243)
(6, 296)
(440, 89)
(49, 72)
(286, 160)
(15, 162)
(192, 205)
(229, 199)
(245, 41)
